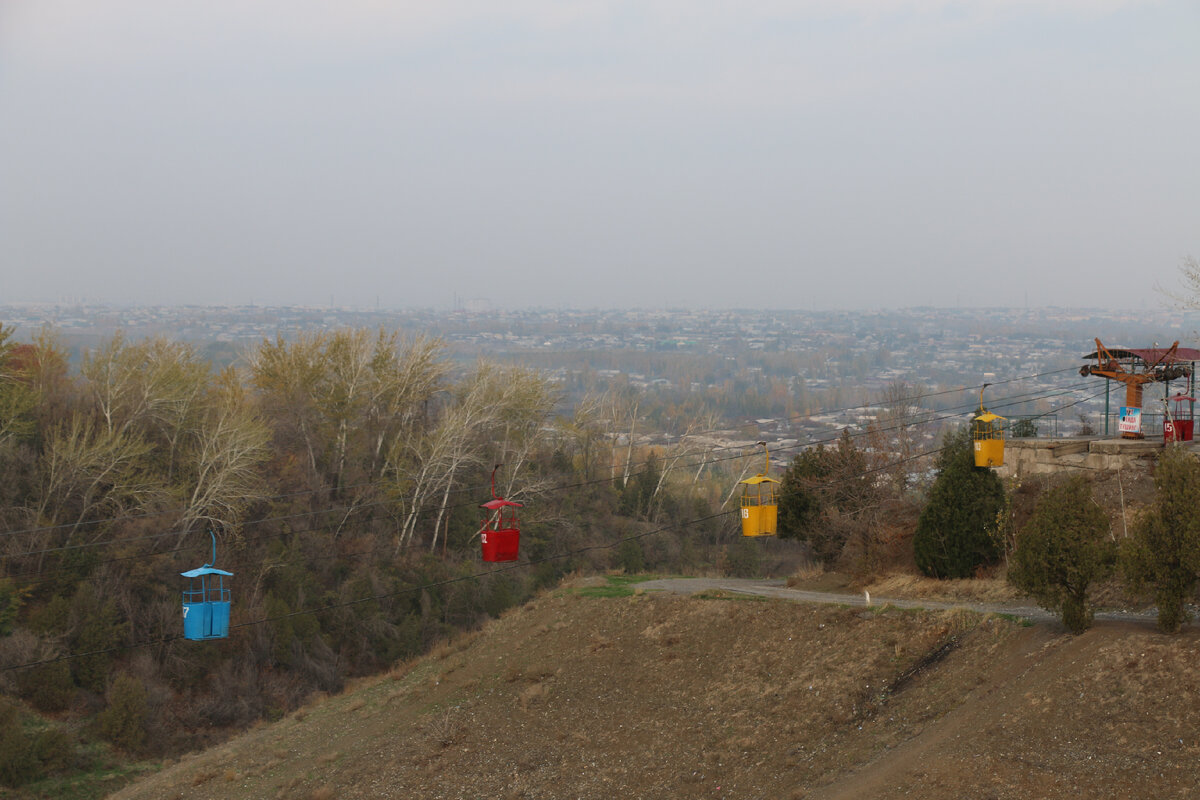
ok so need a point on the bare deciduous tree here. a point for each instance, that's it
(151, 385)
(89, 471)
(1189, 276)
(226, 451)
(896, 430)
(288, 377)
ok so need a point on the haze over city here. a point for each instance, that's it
(802, 155)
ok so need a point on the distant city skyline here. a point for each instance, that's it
(821, 154)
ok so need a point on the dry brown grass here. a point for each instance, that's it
(598, 642)
(907, 586)
(763, 699)
(441, 651)
(203, 776)
(446, 727)
(809, 569)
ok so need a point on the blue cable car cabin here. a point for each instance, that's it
(206, 604)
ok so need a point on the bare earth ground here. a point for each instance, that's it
(726, 694)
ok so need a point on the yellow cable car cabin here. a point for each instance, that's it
(987, 431)
(760, 511)
(987, 434)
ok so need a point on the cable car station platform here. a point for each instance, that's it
(1046, 456)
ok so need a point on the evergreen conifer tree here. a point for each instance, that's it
(954, 532)
(1164, 550)
(1061, 550)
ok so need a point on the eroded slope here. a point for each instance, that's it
(664, 696)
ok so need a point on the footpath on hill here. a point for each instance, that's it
(779, 589)
(720, 689)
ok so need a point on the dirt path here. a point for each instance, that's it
(779, 590)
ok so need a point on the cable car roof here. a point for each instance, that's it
(757, 479)
(989, 417)
(1152, 355)
(492, 505)
(205, 570)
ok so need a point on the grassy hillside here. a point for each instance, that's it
(643, 695)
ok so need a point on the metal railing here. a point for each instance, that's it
(1049, 426)
(1034, 426)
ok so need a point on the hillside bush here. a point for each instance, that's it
(10, 602)
(26, 755)
(1063, 548)
(1163, 551)
(95, 632)
(631, 556)
(799, 503)
(954, 535)
(18, 762)
(123, 722)
(823, 495)
(48, 687)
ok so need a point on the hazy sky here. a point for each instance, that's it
(802, 154)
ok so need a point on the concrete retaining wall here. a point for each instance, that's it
(1042, 456)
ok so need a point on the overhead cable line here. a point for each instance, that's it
(283, 496)
(372, 598)
(706, 461)
(431, 585)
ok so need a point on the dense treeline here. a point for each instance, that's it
(853, 514)
(338, 471)
(341, 474)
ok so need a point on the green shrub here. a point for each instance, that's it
(1163, 551)
(631, 556)
(54, 750)
(800, 504)
(1061, 550)
(48, 687)
(11, 599)
(18, 761)
(124, 721)
(744, 559)
(954, 532)
(26, 756)
(53, 617)
(96, 633)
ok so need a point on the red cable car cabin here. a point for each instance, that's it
(501, 534)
